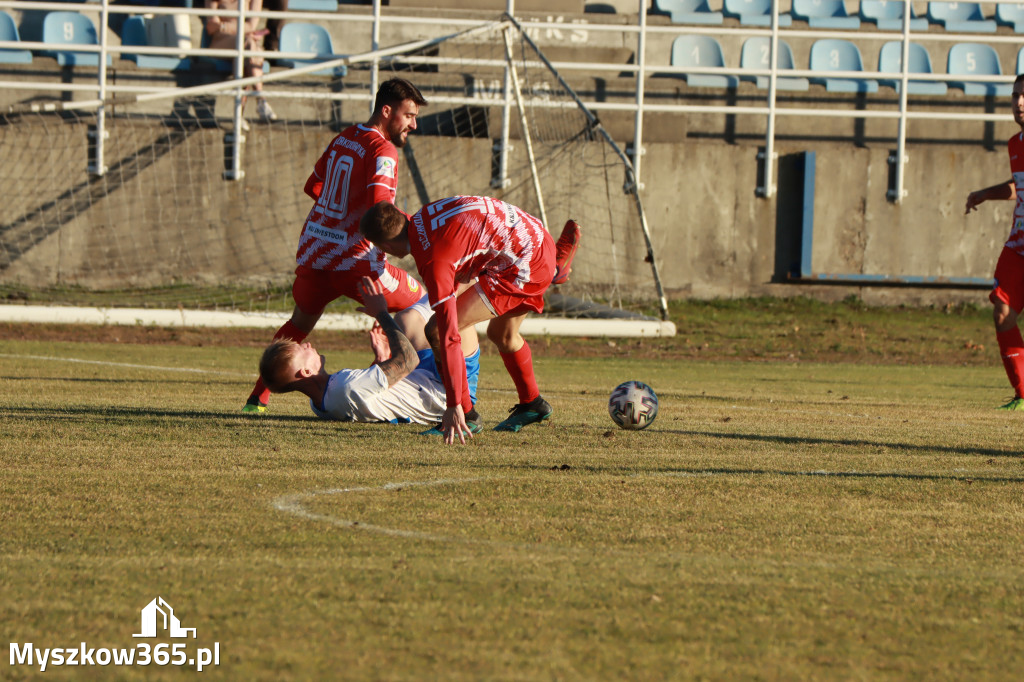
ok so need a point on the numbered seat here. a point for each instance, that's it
(689, 11)
(824, 14)
(754, 13)
(1010, 15)
(9, 31)
(300, 37)
(976, 59)
(64, 29)
(702, 51)
(839, 55)
(960, 17)
(887, 15)
(754, 55)
(138, 31)
(890, 60)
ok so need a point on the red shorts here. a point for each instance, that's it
(503, 294)
(314, 289)
(1009, 286)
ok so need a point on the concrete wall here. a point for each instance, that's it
(714, 237)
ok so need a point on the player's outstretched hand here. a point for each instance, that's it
(372, 293)
(453, 425)
(379, 343)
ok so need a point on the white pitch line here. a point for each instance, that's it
(293, 504)
(124, 364)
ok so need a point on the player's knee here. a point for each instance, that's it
(505, 338)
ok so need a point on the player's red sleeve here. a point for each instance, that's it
(456, 386)
(382, 174)
(438, 276)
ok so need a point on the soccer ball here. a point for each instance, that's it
(633, 405)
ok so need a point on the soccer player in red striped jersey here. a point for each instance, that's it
(513, 261)
(1008, 293)
(358, 169)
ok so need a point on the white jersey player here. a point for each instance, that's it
(401, 386)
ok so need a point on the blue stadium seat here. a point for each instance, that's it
(312, 6)
(689, 11)
(754, 12)
(976, 59)
(134, 32)
(754, 55)
(824, 14)
(300, 37)
(1020, 61)
(8, 31)
(960, 17)
(71, 28)
(701, 51)
(888, 15)
(839, 55)
(1010, 15)
(890, 59)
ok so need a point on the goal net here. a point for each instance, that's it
(169, 209)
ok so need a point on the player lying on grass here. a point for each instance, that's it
(513, 259)
(401, 386)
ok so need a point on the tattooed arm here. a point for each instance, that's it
(403, 357)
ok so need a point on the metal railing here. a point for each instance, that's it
(642, 68)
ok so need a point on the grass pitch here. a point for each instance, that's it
(779, 521)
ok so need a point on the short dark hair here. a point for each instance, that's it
(1019, 78)
(382, 222)
(395, 91)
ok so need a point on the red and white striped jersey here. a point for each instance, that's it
(1016, 149)
(458, 239)
(358, 169)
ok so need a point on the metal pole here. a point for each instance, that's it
(99, 167)
(901, 140)
(525, 127)
(237, 138)
(773, 73)
(505, 146)
(638, 125)
(374, 46)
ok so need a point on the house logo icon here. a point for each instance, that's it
(159, 612)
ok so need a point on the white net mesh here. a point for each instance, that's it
(163, 227)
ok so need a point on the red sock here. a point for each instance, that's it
(520, 368)
(1011, 348)
(287, 331)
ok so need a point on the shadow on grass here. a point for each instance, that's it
(850, 442)
(896, 475)
(697, 472)
(204, 380)
(151, 413)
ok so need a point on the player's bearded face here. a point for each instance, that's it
(402, 121)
